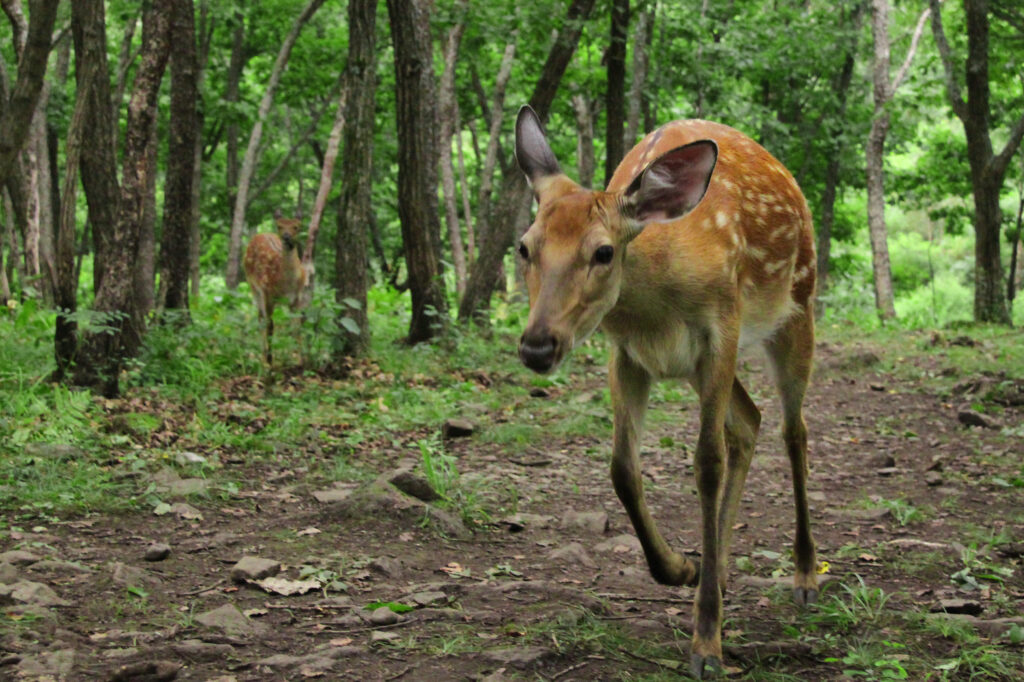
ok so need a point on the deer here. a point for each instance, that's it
(274, 270)
(702, 244)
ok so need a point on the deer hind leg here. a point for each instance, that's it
(790, 354)
(268, 331)
(630, 387)
(742, 422)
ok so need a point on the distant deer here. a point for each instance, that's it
(702, 244)
(274, 270)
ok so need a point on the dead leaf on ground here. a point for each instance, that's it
(285, 587)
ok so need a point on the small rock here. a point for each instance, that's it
(428, 598)
(881, 460)
(158, 551)
(876, 387)
(378, 636)
(30, 593)
(886, 471)
(198, 650)
(968, 606)
(146, 671)
(17, 557)
(574, 554)
(975, 418)
(229, 620)
(593, 522)
(521, 657)
(383, 616)
(932, 478)
(457, 428)
(620, 544)
(538, 392)
(417, 486)
(386, 566)
(254, 568)
(186, 512)
(8, 573)
(131, 576)
(937, 464)
(187, 457)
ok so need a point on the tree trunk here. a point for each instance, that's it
(101, 355)
(875, 152)
(416, 116)
(467, 210)
(584, 140)
(615, 95)
(644, 21)
(232, 85)
(355, 207)
(988, 169)
(98, 162)
(515, 193)
(252, 150)
(205, 33)
(176, 240)
(493, 135)
(16, 114)
(324, 189)
(446, 116)
(144, 274)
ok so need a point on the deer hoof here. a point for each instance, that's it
(704, 667)
(804, 596)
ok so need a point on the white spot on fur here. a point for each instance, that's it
(721, 219)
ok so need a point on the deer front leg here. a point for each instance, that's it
(630, 386)
(714, 380)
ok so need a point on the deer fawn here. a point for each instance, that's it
(702, 244)
(274, 270)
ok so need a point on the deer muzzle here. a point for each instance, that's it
(538, 350)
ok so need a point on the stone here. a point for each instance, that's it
(521, 657)
(158, 551)
(429, 598)
(457, 428)
(383, 616)
(131, 576)
(574, 554)
(975, 418)
(332, 495)
(186, 512)
(229, 620)
(887, 472)
(49, 665)
(386, 566)
(197, 650)
(620, 544)
(35, 594)
(378, 636)
(932, 478)
(58, 567)
(881, 460)
(254, 568)
(18, 557)
(417, 486)
(967, 606)
(591, 522)
(150, 671)
(8, 573)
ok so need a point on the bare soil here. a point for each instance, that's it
(515, 598)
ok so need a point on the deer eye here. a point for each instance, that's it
(523, 251)
(604, 254)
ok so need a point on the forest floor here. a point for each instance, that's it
(915, 513)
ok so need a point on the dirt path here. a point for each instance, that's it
(899, 489)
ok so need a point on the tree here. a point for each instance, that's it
(514, 195)
(103, 351)
(615, 94)
(448, 113)
(355, 207)
(175, 245)
(252, 149)
(884, 89)
(988, 169)
(416, 118)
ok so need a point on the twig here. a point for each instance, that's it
(652, 661)
(569, 670)
(628, 597)
(200, 590)
(400, 673)
(530, 462)
(376, 627)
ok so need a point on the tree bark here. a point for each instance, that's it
(493, 135)
(988, 169)
(324, 189)
(98, 162)
(205, 32)
(144, 272)
(252, 150)
(446, 116)
(101, 355)
(515, 194)
(615, 94)
(416, 106)
(467, 210)
(355, 207)
(232, 86)
(16, 114)
(644, 21)
(176, 239)
(585, 162)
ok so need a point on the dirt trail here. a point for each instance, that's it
(559, 591)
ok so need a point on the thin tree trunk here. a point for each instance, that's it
(232, 85)
(644, 20)
(125, 59)
(446, 115)
(467, 211)
(175, 244)
(615, 95)
(416, 106)
(494, 134)
(16, 114)
(252, 150)
(101, 355)
(326, 181)
(355, 206)
(144, 274)
(206, 33)
(585, 162)
(515, 194)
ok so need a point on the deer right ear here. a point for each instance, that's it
(533, 153)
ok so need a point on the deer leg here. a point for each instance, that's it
(630, 387)
(268, 334)
(714, 379)
(742, 423)
(790, 353)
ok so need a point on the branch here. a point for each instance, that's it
(918, 30)
(997, 167)
(956, 99)
(333, 142)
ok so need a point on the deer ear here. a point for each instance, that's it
(672, 185)
(533, 153)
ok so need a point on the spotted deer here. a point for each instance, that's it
(274, 270)
(701, 245)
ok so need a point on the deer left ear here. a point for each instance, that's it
(533, 153)
(672, 185)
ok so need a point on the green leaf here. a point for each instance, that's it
(350, 325)
(397, 607)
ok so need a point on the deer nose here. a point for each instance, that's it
(537, 350)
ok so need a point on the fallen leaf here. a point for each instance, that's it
(309, 531)
(673, 611)
(452, 567)
(406, 537)
(340, 641)
(867, 558)
(286, 588)
(255, 613)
